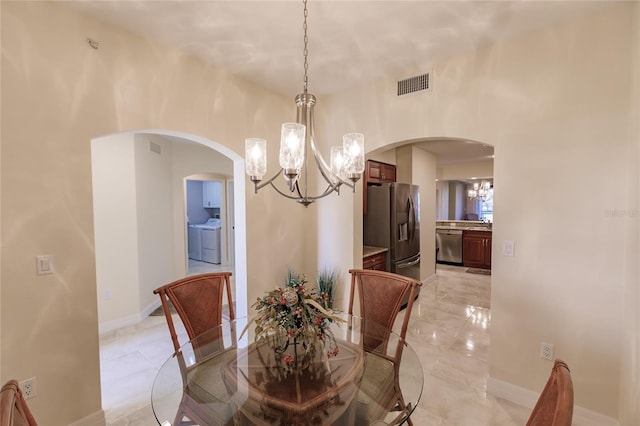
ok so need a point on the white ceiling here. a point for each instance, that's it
(350, 42)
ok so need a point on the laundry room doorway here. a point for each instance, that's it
(209, 223)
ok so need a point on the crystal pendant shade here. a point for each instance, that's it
(353, 151)
(292, 141)
(256, 157)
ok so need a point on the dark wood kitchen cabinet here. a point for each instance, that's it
(375, 173)
(375, 261)
(476, 249)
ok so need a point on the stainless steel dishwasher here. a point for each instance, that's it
(449, 246)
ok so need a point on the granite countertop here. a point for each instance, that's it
(464, 225)
(371, 250)
(461, 228)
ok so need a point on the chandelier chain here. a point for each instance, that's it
(305, 51)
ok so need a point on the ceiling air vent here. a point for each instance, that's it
(413, 84)
(154, 147)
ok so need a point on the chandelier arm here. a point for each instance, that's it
(299, 197)
(327, 174)
(284, 194)
(325, 171)
(304, 200)
(260, 185)
(297, 189)
(329, 190)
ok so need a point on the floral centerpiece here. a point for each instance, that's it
(296, 315)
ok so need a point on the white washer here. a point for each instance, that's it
(195, 243)
(210, 240)
(211, 223)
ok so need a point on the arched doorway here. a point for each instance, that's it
(427, 162)
(140, 216)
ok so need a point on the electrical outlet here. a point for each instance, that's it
(44, 264)
(28, 388)
(546, 351)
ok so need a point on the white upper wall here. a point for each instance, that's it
(154, 217)
(116, 227)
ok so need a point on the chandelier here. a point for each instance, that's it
(481, 190)
(346, 162)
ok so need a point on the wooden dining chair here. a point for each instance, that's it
(14, 410)
(381, 296)
(198, 301)
(555, 404)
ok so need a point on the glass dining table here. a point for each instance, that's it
(225, 377)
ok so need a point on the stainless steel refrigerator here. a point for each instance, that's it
(393, 221)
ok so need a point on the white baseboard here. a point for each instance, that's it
(107, 326)
(429, 279)
(150, 308)
(528, 398)
(95, 419)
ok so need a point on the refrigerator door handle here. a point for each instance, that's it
(412, 218)
(409, 264)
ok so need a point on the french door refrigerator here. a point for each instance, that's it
(393, 221)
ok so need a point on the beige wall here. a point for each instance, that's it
(630, 382)
(557, 105)
(57, 95)
(477, 169)
(388, 156)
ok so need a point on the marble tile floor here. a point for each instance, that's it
(448, 329)
(196, 267)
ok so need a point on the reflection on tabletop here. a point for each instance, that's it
(225, 377)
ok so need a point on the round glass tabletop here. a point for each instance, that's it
(224, 376)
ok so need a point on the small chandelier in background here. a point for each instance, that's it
(482, 190)
(346, 162)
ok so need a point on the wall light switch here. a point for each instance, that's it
(508, 248)
(44, 264)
